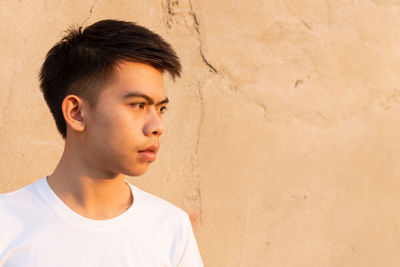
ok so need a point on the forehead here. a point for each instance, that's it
(133, 77)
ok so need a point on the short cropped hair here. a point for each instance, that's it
(84, 60)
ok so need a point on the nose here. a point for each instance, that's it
(154, 124)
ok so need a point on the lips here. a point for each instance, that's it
(149, 154)
(152, 148)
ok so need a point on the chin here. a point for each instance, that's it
(136, 171)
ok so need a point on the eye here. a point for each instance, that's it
(138, 105)
(163, 110)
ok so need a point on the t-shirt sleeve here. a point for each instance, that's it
(4, 232)
(191, 255)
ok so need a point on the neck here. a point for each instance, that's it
(90, 192)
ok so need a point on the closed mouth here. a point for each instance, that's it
(151, 148)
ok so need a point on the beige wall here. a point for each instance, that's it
(282, 138)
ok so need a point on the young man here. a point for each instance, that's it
(104, 87)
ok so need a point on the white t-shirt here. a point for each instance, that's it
(38, 230)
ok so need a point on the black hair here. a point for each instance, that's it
(84, 60)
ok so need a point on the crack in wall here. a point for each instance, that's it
(169, 7)
(207, 63)
(201, 119)
(197, 28)
(200, 92)
(174, 10)
(178, 13)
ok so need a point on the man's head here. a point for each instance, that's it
(84, 61)
(104, 86)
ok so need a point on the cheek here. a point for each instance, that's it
(119, 130)
(102, 132)
(116, 124)
(109, 121)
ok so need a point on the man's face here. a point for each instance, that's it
(124, 128)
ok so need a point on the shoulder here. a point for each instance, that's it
(171, 225)
(16, 212)
(156, 204)
(18, 205)
(14, 199)
(155, 209)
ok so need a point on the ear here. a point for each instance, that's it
(73, 111)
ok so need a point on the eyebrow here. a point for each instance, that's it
(148, 98)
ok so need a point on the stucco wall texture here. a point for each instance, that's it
(282, 138)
